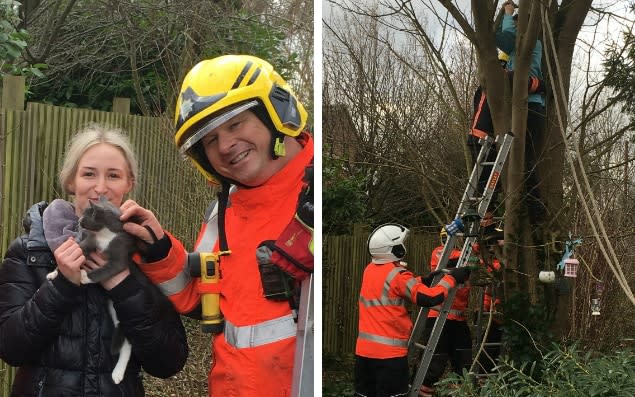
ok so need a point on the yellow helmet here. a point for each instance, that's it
(218, 89)
(503, 57)
(443, 235)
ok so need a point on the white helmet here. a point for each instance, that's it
(385, 243)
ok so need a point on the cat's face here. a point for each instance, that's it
(99, 215)
(101, 171)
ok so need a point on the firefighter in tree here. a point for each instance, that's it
(381, 353)
(242, 126)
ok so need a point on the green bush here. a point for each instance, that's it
(566, 372)
(337, 375)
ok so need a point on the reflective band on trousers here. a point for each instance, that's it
(384, 340)
(260, 334)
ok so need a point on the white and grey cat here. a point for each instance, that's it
(102, 230)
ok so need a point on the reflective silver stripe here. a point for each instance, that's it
(179, 282)
(176, 284)
(208, 241)
(409, 285)
(384, 340)
(445, 284)
(260, 334)
(384, 300)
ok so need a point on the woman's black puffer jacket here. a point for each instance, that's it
(59, 334)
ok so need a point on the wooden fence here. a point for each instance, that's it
(32, 145)
(343, 261)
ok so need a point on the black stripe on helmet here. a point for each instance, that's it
(242, 74)
(254, 77)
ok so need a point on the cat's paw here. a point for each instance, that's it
(117, 374)
(51, 275)
(84, 278)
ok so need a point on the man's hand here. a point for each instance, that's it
(427, 280)
(460, 274)
(143, 220)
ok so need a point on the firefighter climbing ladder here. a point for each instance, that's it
(471, 220)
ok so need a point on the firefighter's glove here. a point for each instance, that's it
(277, 285)
(292, 252)
(460, 274)
(427, 280)
(425, 300)
(291, 255)
(454, 227)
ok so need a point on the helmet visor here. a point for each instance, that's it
(214, 123)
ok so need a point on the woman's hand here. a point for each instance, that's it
(97, 260)
(143, 219)
(70, 258)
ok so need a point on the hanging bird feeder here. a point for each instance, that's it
(595, 307)
(571, 267)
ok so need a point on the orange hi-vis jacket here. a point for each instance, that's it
(459, 306)
(384, 322)
(254, 355)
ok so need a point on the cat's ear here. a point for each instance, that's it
(90, 203)
(103, 199)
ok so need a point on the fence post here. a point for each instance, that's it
(13, 92)
(12, 99)
(121, 105)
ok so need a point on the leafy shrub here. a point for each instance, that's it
(337, 375)
(566, 372)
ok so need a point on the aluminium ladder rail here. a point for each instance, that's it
(472, 225)
(303, 364)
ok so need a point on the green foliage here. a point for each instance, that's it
(567, 372)
(13, 42)
(620, 72)
(249, 35)
(526, 328)
(91, 70)
(337, 375)
(343, 198)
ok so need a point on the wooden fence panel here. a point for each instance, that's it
(32, 146)
(344, 260)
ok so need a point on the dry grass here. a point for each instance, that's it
(192, 380)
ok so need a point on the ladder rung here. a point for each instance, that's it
(420, 345)
(487, 163)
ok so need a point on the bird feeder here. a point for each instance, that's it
(595, 307)
(571, 267)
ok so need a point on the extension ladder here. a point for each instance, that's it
(303, 364)
(471, 221)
